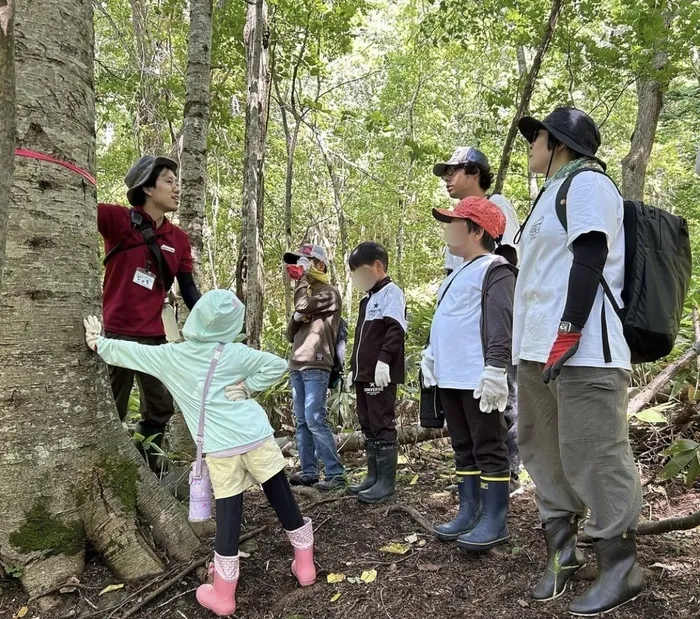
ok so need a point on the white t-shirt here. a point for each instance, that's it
(593, 205)
(455, 335)
(512, 227)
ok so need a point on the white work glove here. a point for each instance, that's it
(300, 317)
(382, 375)
(237, 392)
(427, 368)
(492, 389)
(93, 330)
(304, 263)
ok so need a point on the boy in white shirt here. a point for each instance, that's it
(469, 351)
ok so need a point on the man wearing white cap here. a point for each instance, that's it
(313, 332)
(467, 174)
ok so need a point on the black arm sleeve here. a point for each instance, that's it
(590, 254)
(188, 289)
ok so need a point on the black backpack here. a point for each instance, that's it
(336, 377)
(658, 267)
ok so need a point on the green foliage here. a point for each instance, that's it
(41, 531)
(684, 454)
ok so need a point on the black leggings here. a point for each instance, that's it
(229, 512)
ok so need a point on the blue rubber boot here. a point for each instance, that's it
(469, 508)
(492, 528)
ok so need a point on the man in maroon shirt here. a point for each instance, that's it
(145, 252)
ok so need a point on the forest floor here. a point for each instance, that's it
(432, 579)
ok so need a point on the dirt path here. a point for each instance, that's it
(431, 580)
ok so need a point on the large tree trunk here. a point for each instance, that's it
(256, 36)
(528, 89)
(650, 93)
(7, 118)
(69, 472)
(194, 143)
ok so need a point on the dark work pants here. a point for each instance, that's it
(156, 401)
(229, 512)
(376, 411)
(478, 439)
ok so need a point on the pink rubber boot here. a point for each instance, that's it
(221, 596)
(303, 565)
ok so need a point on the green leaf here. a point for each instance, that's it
(680, 446)
(651, 416)
(676, 465)
(693, 470)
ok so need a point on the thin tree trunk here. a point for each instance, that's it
(147, 133)
(69, 472)
(528, 89)
(196, 126)
(650, 93)
(256, 37)
(7, 118)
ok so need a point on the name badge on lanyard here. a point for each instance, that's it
(144, 278)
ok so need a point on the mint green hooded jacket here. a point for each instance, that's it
(182, 367)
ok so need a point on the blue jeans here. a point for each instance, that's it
(314, 437)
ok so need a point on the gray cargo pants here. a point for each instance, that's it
(573, 439)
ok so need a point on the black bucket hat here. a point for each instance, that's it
(570, 126)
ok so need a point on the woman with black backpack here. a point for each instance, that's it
(574, 366)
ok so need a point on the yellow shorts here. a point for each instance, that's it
(231, 476)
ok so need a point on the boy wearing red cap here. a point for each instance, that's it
(469, 351)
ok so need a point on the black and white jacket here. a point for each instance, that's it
(380, 333)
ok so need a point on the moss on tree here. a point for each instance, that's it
(41, 531)
(122, 476)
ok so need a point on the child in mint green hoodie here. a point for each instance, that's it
(238, 439)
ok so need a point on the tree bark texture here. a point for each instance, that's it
(7, 117)
(69, 472)
(196, 126)
(528, 89)
(650, 95)
(256, 37)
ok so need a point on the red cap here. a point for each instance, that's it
(481, 211)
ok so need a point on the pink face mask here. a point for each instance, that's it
(295, 272)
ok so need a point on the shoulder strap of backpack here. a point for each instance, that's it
(149, 238)
(564, 190)
(560, 207)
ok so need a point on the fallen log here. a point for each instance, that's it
(355, 441)
(642, 399)
(657, 527)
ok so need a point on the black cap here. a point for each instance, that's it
(462, 156)
(570, 126)
(141, 171)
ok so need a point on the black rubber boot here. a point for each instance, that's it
(619, 579)
(149, 429)
(299, 479)
(371, 478)
(492, 528)
(387, 458)
(469, 509)
(563, 558)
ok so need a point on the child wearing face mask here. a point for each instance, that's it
(469, 351)
(377, 367)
